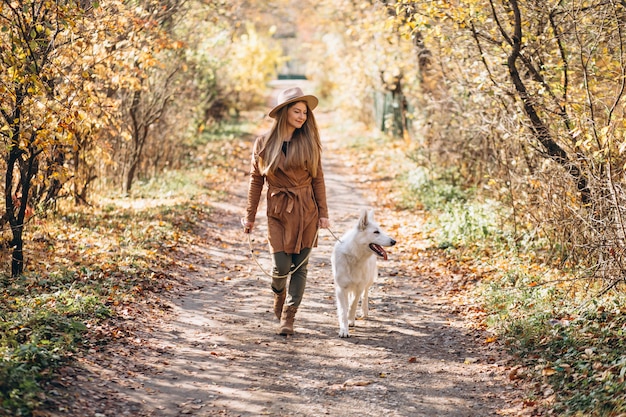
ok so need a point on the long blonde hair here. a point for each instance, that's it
(305, 148)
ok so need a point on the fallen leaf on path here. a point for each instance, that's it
(356, 383)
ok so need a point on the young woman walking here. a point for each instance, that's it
(288, 159)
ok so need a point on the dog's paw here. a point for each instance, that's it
(344, 333)
(352, 323)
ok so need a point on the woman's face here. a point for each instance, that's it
(296, 115)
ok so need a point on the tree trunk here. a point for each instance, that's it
(539, 128)
(11, 199)
(16, 203)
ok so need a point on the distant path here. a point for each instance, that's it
(218, 355)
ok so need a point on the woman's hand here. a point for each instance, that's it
(324, 223)
(247, 226)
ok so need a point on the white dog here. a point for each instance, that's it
(354, 267)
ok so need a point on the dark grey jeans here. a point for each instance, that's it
(283, 262)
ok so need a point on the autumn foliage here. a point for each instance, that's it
(518, 104)
(95, 96)
(521, 100)
(531, 109)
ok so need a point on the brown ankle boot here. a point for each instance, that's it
(279, 300)
(286, 320)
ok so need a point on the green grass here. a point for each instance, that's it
(458, 219)
(225, 132)
(172, 184)
(42, 321)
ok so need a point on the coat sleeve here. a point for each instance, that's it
(255, 184)
(319, 191)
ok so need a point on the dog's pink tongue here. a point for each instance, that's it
(379, 250)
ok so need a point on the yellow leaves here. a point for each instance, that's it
(12, 73)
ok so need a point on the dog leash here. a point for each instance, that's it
(291, 271)
(331, 232)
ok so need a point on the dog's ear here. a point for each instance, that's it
(363, 220)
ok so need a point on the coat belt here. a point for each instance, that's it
(291, 194)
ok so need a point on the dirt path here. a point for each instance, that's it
(216, 353)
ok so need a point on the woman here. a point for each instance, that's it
(288, 158)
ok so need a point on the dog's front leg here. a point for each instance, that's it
(342, 311)
(354, 302)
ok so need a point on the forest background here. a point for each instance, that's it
(510, 115)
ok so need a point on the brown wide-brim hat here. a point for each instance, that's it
(291, 95)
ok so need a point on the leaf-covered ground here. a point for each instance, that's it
(197, 336)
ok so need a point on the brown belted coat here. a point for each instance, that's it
(295, 202)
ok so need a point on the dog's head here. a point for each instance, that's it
(376, 238)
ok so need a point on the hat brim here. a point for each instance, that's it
(311, 102)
